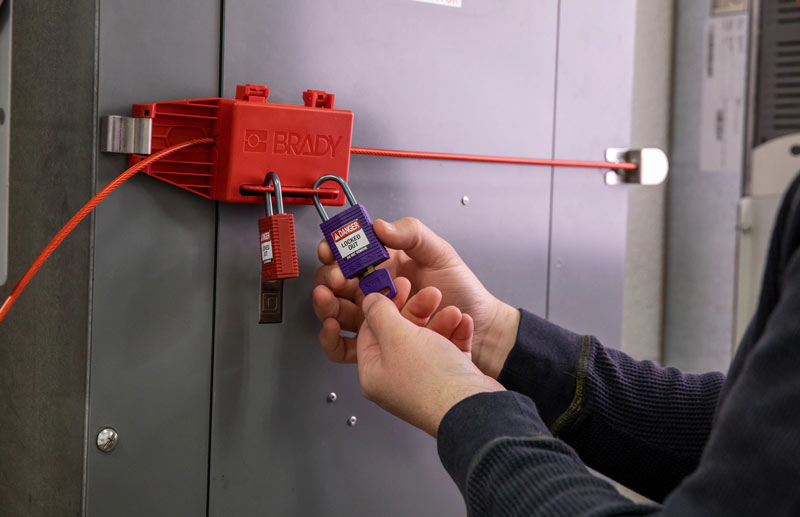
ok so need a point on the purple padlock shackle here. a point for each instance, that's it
(345, 187)
(373, 280)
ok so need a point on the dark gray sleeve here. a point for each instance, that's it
(638, 423)
(504, 460)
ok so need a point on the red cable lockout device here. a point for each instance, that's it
(222, 149)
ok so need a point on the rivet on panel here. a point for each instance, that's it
(107, 439)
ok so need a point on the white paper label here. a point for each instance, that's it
(728, 6)
(723, 106)
(350, 239)
(266, 248)
(446, 3)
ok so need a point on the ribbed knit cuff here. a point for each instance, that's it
(475, 421)
(543, 365)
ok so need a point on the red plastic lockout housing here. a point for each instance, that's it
(253, 137)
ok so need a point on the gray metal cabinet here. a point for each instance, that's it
(217, 414)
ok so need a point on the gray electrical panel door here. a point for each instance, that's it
(153, 290)
(218, 414)
(477, 79)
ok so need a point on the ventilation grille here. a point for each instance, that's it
(778, 111)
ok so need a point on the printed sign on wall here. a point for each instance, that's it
(728, 6)
(723, 101)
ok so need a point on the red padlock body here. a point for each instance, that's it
(253, 137)
(278, 247)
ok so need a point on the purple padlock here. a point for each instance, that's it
(353, 241)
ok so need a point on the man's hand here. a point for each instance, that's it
(415, 364)
(426, 260)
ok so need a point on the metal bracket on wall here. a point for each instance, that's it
(127, 135)
(653, 166)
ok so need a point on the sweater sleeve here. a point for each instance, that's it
(640, 424)
(501, 455)
(505, 462)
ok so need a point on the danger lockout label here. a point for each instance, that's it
(266, 248)
(350, 239)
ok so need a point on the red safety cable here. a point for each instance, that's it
(83, 212)
(493, 159)
(290, 191)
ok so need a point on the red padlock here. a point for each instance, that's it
(278, 244)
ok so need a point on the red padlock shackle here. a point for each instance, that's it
(273, 176)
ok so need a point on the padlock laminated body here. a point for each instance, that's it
(353, 241)
(278, 247)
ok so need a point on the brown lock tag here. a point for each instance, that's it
(271, 301)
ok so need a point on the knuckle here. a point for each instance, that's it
(328, 352)
(415, 224)
(333, 355)
(366, 391)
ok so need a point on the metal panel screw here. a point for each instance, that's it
(465, 200)
(331, 397)
(795, 150)
(352, 421)
(107, 439)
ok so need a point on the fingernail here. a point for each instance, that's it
(389, 226)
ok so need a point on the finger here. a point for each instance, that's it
(445, 321)
(403, 287)
(331, 276)
(422, 305)
(417, 240)
(324, 252)
(462, 335)
(385, 321)
(327, 305)
(337, 348)
(368, 353)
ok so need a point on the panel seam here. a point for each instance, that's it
(220, 87)
(90, 294)
(552, 169)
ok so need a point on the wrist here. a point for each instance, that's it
(498, 340)
(459, 392)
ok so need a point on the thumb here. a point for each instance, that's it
(417, 240)
(384, 320)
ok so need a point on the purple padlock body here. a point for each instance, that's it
(376, 282)
(353, 241)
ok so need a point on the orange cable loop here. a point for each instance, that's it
(393, 153)
(122, 178)
(86, 210)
